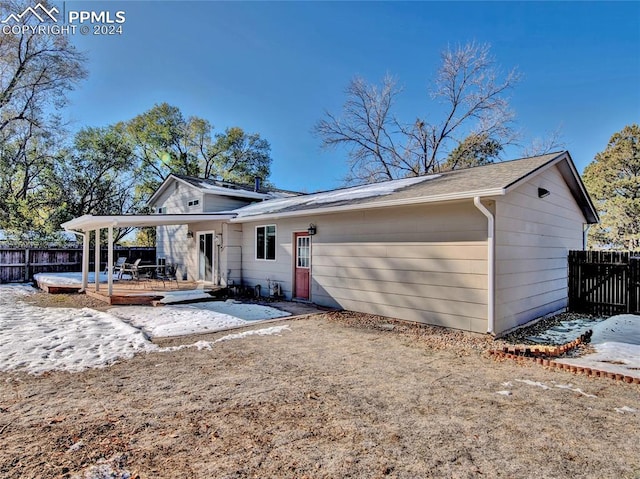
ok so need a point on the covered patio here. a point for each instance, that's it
(138, 291)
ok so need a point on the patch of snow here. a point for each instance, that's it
(577, 390)
(274, 330)
(619, 358)
(507, 384)
(623, 328)
(567, 387)
(14, 290)
(533, 383)
(625, 409)
(36, 339)
(40, 339)
(246, 311)
(208, 345)
(616, 341)
(504, 393)
(68, 279)
(189, 295)
(180, 320)
(106, 469)
(564, 332)
(76, 446)
(245, 193)
(345, 194)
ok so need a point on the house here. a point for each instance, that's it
(179, 194)
(482, 249)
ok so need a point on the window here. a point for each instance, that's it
(162, 210)
(266, 242)
(194, 203)
(303, 252)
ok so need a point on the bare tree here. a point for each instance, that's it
(37, 71)
(470, 86)
(367, 129)
(542, 145)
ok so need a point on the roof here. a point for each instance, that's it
(224, 188)
(91, 222)
(495, 179)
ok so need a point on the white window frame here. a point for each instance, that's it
(193, 202)
(275, 237)
(308, 258)
(162, 210)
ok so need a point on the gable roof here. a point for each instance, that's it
(219, 187)
(496, 179)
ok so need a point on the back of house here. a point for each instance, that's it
(482, 249)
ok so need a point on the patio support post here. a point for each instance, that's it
(96, 255)
(85, 260)
(110, 260)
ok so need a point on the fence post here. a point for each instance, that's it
(27, 265)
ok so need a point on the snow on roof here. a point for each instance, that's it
(223, 190)
(333, 196)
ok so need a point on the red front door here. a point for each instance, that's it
(302, 265)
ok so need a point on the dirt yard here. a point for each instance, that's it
(336, 396)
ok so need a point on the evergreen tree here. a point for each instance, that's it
(613, 181)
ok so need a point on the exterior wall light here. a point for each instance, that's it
(543, 193)
(312, 229)
(189, 234)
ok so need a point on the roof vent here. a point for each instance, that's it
(543, 193)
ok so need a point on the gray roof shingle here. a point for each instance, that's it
(455, 184)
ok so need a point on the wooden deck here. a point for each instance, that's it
(143, 292)
(131, 292)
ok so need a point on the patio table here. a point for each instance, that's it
(152, 269)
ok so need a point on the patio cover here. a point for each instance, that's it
(83, 225)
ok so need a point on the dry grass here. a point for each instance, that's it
(340, 395)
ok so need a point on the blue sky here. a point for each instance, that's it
(274, 68)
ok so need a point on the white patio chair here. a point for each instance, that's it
(117, 266)
(131, 269)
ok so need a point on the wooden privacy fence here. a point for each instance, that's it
(20, 264)
(604, 282)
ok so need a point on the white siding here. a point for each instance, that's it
(419, 263)
(215, 203)
(173, 245)
(231, 254)
(172, 242)
(533, 236)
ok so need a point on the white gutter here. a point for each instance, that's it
(491, 263)
(585, 235)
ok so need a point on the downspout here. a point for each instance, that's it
(585, 234)
(218, 259)
(491, 262)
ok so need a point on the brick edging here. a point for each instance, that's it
(542, 354)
